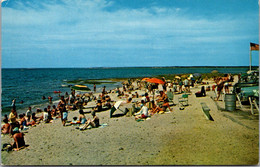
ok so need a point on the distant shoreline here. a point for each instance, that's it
(28, 68)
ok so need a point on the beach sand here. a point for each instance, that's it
(181, 137)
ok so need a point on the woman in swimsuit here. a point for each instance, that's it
(94, 122)
(82, 119)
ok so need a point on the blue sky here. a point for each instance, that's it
(126, 33)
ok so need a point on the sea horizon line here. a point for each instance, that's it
(127, 67)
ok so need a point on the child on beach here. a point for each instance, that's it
(75, 121)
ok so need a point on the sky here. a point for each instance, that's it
(128, 33)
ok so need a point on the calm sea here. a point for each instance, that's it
(29, 85)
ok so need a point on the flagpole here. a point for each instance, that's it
(250, 59)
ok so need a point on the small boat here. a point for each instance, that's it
(80, 87)
(56, 91)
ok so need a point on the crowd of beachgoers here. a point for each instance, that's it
(147, 105)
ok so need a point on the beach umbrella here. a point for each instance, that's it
(177, 77)
(117, 104)
(145, 79)
(115, 107)
(155, 80)
(80, 87)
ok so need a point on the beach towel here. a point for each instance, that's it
(103, 125)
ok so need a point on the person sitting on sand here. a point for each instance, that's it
(18, 141)
(22, 121)
(5, 129)
(201, 93)
(146, 97)
(75, 121)
(34, 121)
(82, 119)
(45, 115)
(98, 107)
(49, 111)
(143, 113)
(163, 100)
(94, 122)
(107, 102)
(154, 109)
(54, 111)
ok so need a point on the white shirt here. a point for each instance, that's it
(45, 116)
(28, 113)
(144, 110)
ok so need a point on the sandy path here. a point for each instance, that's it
(183, 137)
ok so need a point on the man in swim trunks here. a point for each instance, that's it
(63, 111)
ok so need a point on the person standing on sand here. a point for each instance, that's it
(104, 90)
(220, 85)
(63, 111)
(29, 113)
(180, 86)
(12, 119)
(13, 104)
(94, 88)
(186, 85)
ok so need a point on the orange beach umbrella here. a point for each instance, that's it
(145, 79)
(155, 80)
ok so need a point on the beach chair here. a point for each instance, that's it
(170, 97)
(183, 101)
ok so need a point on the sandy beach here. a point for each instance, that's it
(181, 137)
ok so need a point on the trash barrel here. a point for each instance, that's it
(230, 102)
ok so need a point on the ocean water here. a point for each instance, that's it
(29, 85)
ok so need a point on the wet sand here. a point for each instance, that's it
(182, 137)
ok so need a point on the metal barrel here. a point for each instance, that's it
(230, 102)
